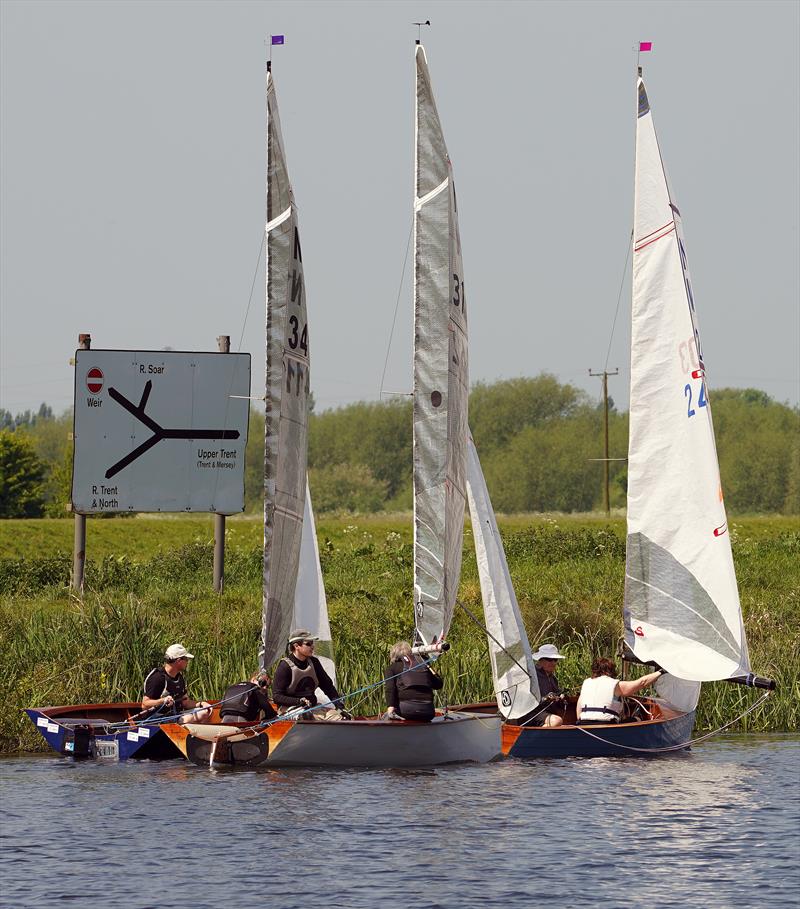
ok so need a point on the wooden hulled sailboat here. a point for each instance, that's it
(440, 402)
(682, 610)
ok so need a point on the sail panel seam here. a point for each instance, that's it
(418, 203)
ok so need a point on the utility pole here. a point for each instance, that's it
(605, 374)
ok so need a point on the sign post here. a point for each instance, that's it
(79, 542)
(224, 344)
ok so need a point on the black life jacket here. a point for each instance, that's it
(414, 684)
(236, 700)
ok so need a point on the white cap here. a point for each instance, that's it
(177, 651)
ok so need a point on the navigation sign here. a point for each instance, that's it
(160, 431)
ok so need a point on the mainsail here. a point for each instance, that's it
(440, 374)
(681, 601)
(287, 385)
(513, 670)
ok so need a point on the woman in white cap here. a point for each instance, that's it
(550, 694)
(165, 687)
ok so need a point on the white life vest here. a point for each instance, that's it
(597, 700)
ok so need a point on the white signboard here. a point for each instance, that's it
(159, 431)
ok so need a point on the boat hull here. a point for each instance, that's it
(668, 729)
(454, 738)
(84, 731)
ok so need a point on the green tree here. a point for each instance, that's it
(21, 473)
(346, 487)
(501, 410)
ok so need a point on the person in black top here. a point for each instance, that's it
(551, 703)
(409, 683)
(165, 687)
(299, 674)
(246, 702)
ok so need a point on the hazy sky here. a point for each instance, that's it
(133, 180)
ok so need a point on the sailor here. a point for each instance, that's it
(298, 676)
(165, 688)
(600, 700)
(246, 702)
(409, 683)
(552, 700)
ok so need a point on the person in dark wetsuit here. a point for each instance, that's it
(165, 687)
(409, 684)
(299, 674)
(246, 702)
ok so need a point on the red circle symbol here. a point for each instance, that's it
(94, 380)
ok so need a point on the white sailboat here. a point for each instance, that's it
(682, 608)
(440, 420)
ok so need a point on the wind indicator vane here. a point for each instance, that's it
(419, 28)
(274, 40)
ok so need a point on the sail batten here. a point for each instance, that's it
(440, 374)
(287, 384)
(681, 600)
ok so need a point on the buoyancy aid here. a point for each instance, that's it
(414, 684)
(236, 699)
(304, 681)
(598, 701)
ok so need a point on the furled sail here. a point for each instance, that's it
(681, 601)
(287, 385)
(310, 604)
(513, 670)
(440, 374)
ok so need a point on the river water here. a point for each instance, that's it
(717, 827)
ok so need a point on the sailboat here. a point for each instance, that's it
(681, 610)
(440, 421)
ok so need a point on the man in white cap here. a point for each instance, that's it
(299, 674)
(165, 687)
(547, 657)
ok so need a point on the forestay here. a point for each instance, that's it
(681, 601)
(310, 604)
(287, 384)
(440, 374)
(513, 670)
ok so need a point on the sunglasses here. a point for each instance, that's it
(306, 643)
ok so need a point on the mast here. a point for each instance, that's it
(441, 380)
(286, 395)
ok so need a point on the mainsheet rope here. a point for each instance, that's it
(683, 745)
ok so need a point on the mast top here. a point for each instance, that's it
(419, 29)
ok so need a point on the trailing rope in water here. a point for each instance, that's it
(683, 745)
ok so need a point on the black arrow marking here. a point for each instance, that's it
(159, 432)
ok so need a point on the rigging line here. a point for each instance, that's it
(234, 371)
(480, 625)
(619, 297)
(253, 286)
(396, 306)
(683, 745)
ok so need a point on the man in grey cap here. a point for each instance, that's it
(299, 674)
(165, 687)
(547, 657)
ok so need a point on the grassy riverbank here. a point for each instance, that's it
(149, 579)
